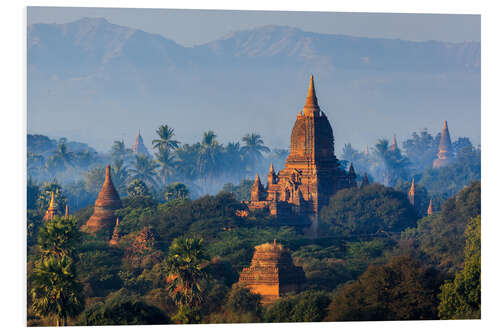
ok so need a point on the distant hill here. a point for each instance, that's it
(99, 82)
(42, 145)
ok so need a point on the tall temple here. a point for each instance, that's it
(107, 202)
(311, 174)
(139, 147)
(445, 154)
(271, 273)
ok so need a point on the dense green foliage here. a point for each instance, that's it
(403, 289)
(180, 254)
(441, 236)
(122, 310)
(461, 298)
(368, 210)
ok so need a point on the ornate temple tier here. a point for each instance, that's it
(271, 273)
(311, 174)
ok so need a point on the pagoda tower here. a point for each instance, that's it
(411, 193)
(445, 154)
(139, 147)
(351, 176)
(66, 212)
(429, 209)
(257, 190)
(271, 273)
(394, 145)
(52, 210)
(107, 202)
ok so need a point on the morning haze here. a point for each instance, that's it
(116, 71)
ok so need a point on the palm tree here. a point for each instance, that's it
(233, 159)
(55, 290)
(209, 156)
(59, 237)
(120, 175)
(184, 264)
(395, 164)
(253, 148)
(166, 141)
(167, 162)
(143, 168)
(119, 151)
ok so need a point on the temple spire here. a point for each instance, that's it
(257, 190)
(271, 176)
(51, 211)
(394, 144)
(311, 107)
(66, 214)
(429, 209)
(51, 204)
(411, 193)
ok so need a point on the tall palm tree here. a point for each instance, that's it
(184, 264)
(120, 175)
(143, 168)
(167, 162)
(59, 237)
(55, 290)
(166, 141)
(254, 147)
(209, 156)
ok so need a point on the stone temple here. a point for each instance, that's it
(311, 174)
(271, 273)
(107, 202)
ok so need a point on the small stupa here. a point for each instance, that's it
(139, 147)
(116, 234)
(271, 273)
(411, 193)
(445, 154)
(429, 209)
(52, 210)
(107, 202)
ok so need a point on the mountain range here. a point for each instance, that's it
(94, 81)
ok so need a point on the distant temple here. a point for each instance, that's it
(115, 238)
(107, 202)
(411, 193)
(429, 209)
(271, 273)
(394, 145)
(52, 210)
(311, 174)
(139, 147)
(445, 154)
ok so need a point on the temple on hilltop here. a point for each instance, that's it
(311, 174)
(445, 154)
(107, 202)
(271, 273)
(139, 147)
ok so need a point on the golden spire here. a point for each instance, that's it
(51, 204)
(429, 210)
(311, 107)
(117, 221)
(271, 168)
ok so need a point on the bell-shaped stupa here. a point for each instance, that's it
(107, 202)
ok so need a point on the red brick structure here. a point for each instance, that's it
(271, 273)
(411, 193)
(311, 174)
(107, 202)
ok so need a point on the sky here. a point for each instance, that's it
(208, 25)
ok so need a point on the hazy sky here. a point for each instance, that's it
(191, 27)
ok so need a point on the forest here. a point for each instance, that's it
(182, 244)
